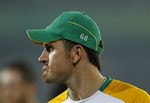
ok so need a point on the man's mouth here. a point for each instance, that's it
(45, 69)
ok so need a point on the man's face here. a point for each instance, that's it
(12, 87)
(57, 63)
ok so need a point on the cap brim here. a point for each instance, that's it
(39, 36)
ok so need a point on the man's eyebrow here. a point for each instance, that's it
(47, 45)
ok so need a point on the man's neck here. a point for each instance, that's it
(84, 82)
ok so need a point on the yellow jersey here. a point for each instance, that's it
(115, 88)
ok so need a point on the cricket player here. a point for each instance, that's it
(72, 47)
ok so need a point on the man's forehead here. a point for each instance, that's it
(51, 43)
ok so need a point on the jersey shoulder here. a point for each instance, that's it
(127, 92)
(60, 98)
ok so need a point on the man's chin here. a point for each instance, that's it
(52, 79)
(49, 81)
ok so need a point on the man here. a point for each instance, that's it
(18, 83)
(72, 44)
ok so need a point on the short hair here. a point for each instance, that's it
(93, 56)
(24, 68)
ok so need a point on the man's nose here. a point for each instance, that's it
(43, 57)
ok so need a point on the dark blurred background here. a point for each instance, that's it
(124, 25)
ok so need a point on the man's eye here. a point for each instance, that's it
(49, 49)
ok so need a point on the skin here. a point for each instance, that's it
(71, 68)
(15, 90)
(13, 87)
(53, 57)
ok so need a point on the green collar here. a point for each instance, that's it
(105, 84)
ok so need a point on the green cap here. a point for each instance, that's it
(74, 26)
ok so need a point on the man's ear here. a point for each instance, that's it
(76, 53)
